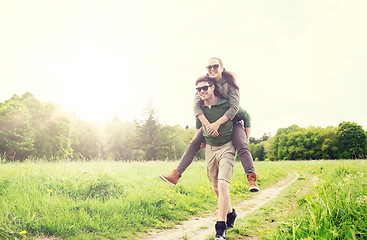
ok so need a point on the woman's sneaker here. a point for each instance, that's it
(220, 228)
(231, 217)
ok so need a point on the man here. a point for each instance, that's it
(219, 153)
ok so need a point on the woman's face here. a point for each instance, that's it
(215, 69)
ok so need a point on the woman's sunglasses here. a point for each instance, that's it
(215, 66)
(205, 88)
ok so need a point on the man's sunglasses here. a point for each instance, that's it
(205, 88)
(215, 66)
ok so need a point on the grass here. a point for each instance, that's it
(336, 207)
(105, 200)
(115, 200)
(328, 201)
(262, 222)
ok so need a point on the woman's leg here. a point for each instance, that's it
(240, 143)
(192, 149)
(186, 158)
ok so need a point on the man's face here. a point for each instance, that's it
(205, 90)
(214, 69)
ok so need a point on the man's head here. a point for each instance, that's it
(205, 88)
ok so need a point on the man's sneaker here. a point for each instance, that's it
(252, 178)
(220, 228)
(171, 178)
(230, 219)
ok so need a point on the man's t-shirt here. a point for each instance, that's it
(213, 113)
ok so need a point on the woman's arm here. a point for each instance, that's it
(197, 105)
(234, 101)
(198, 111)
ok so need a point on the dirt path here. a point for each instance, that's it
(203, 227)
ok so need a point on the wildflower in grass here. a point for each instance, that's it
(362, 200)
(168, 199)
(23, 233)
(49, 190)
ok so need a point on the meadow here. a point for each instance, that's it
(117, 200)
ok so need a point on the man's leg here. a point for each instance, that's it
(215, 189)
(226, 165)
(224, 200)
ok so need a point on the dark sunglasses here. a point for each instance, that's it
(205, 88)
(215, 66)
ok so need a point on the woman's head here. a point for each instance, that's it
(216, 71)
(215, 68)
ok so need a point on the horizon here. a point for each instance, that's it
(140, 117)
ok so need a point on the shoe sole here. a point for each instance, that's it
(254, 189)
(166, 180)
(222, 237)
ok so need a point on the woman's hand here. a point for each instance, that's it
(212, 129)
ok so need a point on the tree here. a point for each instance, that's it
(118, 137)
(262, 139)
(279, 148)
(86, 139)
(16, 136)
(257, 151)
(295, 143)
(329, 146)
(151, 137)
(51, 126)
(29, 128)
(351, 140)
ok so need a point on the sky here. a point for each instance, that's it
(298, 62)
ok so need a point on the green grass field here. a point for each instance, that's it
(117, 200)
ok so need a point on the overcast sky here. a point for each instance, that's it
(298, 62)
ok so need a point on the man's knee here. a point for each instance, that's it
(223, 185)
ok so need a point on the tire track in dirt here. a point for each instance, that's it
(200, 228)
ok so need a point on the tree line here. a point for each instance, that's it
(33, 129)
(30, 129)
(347, 141)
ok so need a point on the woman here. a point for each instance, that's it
(227, 87)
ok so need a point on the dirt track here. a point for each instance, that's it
(200, 228)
